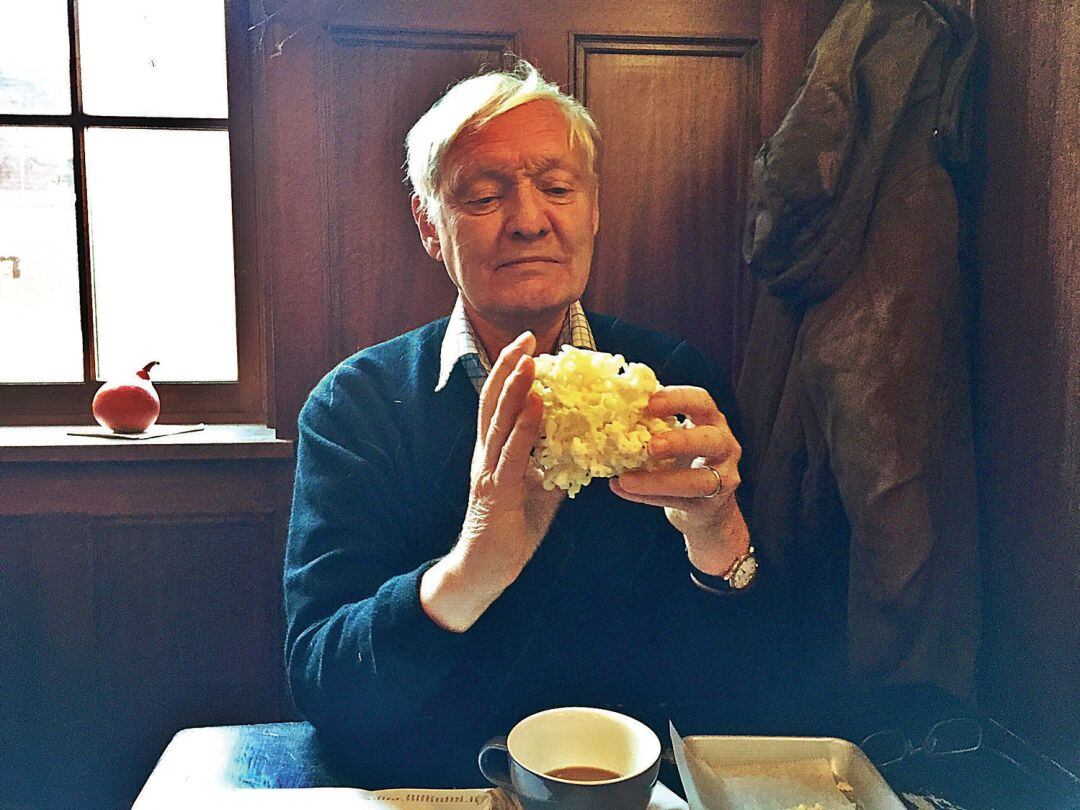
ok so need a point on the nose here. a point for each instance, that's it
(527, 217)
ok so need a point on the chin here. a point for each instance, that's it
(527, 301)
(537, 295)
(540, 307)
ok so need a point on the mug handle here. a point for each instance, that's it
(497, 776)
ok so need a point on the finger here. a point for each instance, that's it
(523, 344)
(511, 401)
(688, 400)
(694, 483)
(513, 460)
(683, 504)
(708, 441)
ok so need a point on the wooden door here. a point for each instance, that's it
(682, 92)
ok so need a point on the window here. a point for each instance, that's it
(125, 208)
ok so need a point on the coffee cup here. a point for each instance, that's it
(575, 758)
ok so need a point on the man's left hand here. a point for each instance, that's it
(698, 493)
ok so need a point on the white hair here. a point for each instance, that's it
(468, 106)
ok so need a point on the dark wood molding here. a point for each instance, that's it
(351, 36)
(583, 45)
(170, 487)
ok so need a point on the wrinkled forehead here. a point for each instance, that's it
(534, 138)
(472, 167)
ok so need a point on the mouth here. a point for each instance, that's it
(527, 260)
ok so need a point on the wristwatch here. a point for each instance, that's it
(738, 578)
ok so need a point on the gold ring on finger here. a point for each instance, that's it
(719, 482)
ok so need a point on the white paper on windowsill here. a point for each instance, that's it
(152, 432)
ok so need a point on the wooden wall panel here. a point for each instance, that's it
(135, 600)
(47, 698)
(1028, 371)
(541, 28)
(187, 632)
(132, 489)
(292, 212)
(340, 84)
(383, 282)
(680, 125)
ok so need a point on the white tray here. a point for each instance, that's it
(714, 771)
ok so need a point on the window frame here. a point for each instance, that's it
(243, 401)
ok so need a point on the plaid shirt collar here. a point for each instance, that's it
(460, 344)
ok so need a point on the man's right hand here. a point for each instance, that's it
(509, 511)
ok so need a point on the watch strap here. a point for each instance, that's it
(720, 584)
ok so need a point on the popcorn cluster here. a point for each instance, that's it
(595, 423)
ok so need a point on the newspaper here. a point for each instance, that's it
(354, 799)
(341, 799)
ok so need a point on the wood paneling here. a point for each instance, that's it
(46, 685)
(187, 632)
(135, 600)
(382, 82)
(680, 123)
(1028, 376)
(293, 212)
(346, 262)
(166, 488)
(677, 88)
(794, 29)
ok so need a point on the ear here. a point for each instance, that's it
(596, 212)
(429, 235)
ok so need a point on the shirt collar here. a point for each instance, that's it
(460, 344)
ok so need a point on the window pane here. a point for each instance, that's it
(40, 321)
(35, 59)
(153, 57)
(162, 252)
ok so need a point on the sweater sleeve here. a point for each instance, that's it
(361, 652)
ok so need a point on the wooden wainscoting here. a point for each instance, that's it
(682, 92)
(136, 598)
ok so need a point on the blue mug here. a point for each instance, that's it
(575, 758)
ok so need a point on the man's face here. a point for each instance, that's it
(518, 216)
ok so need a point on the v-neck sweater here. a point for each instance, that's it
(604, 613)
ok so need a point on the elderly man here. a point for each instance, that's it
(435, 592)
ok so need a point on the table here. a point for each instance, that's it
(1004, 773)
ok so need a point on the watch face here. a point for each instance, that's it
(743, 574)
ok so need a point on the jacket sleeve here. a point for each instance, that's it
(361, 652)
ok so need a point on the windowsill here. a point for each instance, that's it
(228, 442)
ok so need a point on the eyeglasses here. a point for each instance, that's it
(959, 735)
(964, 735)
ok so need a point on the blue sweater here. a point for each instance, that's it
(604, 614)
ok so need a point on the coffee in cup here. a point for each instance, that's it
(575, 758)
